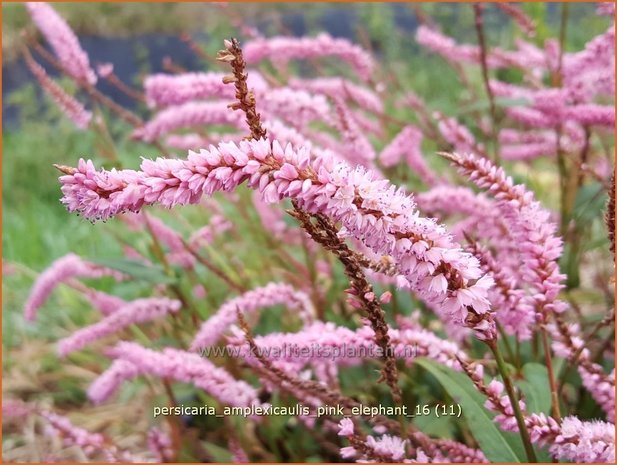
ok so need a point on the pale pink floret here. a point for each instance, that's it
(456, 134)
(284, 49)
(217, 225)
(296, 107)
(61, 271)
(137, 311)
(15, 409)
(189, 141)
(389, 446)
(63, 41)
(273, 220)
(529, 58)
(346, 427)
(606, 9)
(268, 296)
(421, 247)
(590, 441)
(105, 70)
(170, 239)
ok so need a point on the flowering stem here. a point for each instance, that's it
(551, 376)
(506, 343)
(324, 233)
(213, 268)
(477, 8)
(520, 420)
(561, 162)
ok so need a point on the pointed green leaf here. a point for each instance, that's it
(494, 443)
(135, 269)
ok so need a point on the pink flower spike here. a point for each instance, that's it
(271, 294)
(138, 311)
(72, 108)
(346, 194)
(62, 40)
(284, 49)
(59, 272)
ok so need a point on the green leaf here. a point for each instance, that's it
(537, 396)
(493, 442)
(151, 273)
(589, 203)
(503, 102)
(219, 454)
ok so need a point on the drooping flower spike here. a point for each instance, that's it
(369, 209)
(63, 41)
(283, 49)
(70, 106)
(268, 296)
(61, 271)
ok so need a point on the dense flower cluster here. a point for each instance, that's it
(371, 210)
(378, 258)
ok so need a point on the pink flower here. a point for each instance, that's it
(180, 366)
(189, 114)
(62, 40)
(73, 435)
(137, 311)
(270, 295)
(237, 452)
(72, 108)
(385, 297)
(389, 446)
(61, 271)
(166, 89)
(284, 49)
(111, 379)
(326, 343)
(393, 231)
(339, 87)
(160, 445)
(105, 70)
(575, 440)
(530, 227)
(346, 427)
(408, 143)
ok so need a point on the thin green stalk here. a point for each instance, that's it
(551, 376)
(477, 8)
(561, 162)
(520, 420)
(506, 343)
